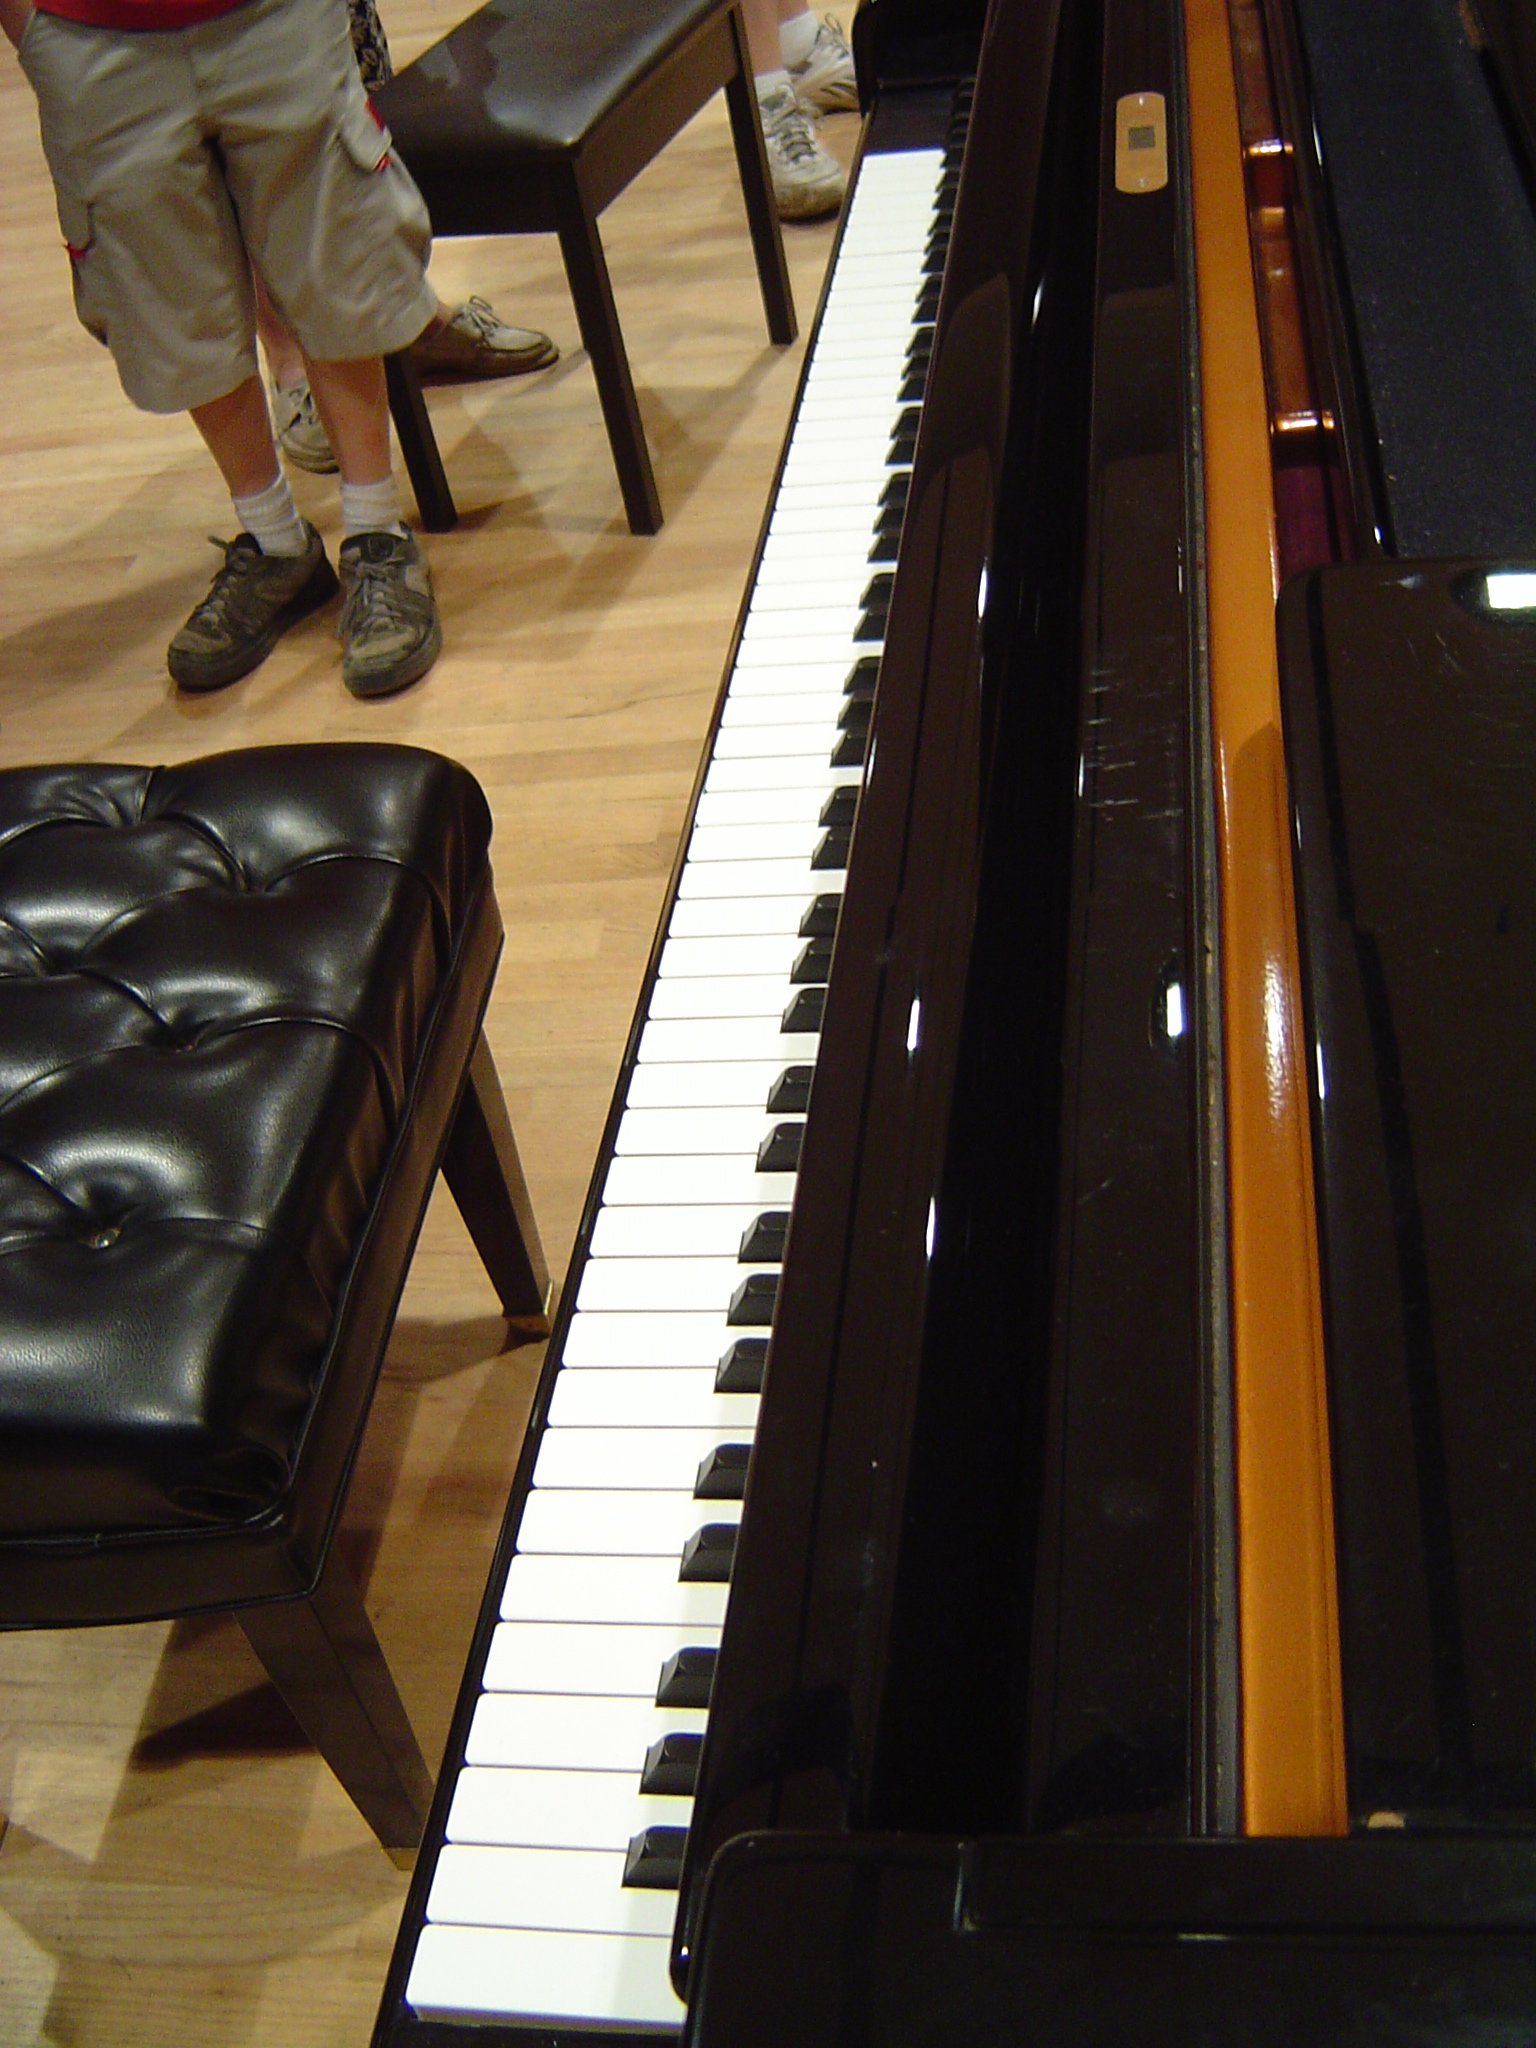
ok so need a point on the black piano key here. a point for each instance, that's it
(928, 301)
(895, 489)
(830, 855)
(762, 1242)
(855, 715)
(740, 1370)
(790, 1094)
(885, 546)
(861, 678)
(813, 963)
(877, 593)
(915, 383)
(820, 922)
(840, 806)
(754, 1300)
(871, 626)
(780, 1150)
(671, 1768)
(709, 1554)
(803, 1013)
(686, 1678)
(850, 750)
(655, 1860)
(723, 1473)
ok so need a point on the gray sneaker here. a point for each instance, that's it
(389, 627)
(807, 181)
(251, 603)
(826, 79)
(300, 430)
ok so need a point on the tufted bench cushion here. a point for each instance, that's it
(238, 1000)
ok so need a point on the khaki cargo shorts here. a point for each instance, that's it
(181, 157)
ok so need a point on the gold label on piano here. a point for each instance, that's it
(1141, 143)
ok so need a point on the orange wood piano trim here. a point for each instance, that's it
(1292, 1710)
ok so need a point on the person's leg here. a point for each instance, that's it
(807, 180)
(275, 571)
(389, 623)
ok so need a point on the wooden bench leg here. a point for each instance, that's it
(586, 270)
(418, 444)
(485, 1176)
(757, 191)
(324, 1658)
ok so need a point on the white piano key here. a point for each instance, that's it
(513, 1808)
(724, 1038)
(794, 806)
(672, 1232)
(736, 877)
(624, 1589)
(590, 1657)
(658, 1180)
(647, 1133)
(650, 1397)
(826, 679)
(713, 959)
(663, 1285)
(488, 1973)
(577, 1889)
(625, 1461)
(753, 842)
(731, 995)
(783, 707)
(607, 1343)
(707, 917)
(573, 1522)
(808, 769)
(572, 1731)
(723, 1084)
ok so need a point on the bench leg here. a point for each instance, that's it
(324, 1658)
(587, 273)
(757, 191)
(485, 1176)
(418, 444)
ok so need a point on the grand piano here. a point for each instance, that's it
(1026, 1529)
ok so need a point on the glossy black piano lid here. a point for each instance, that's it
(1045, 1646)
(966, 1395)
(1410, 716)
(906, 1942)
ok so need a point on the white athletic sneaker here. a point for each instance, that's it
(806, 180)
(825, 80)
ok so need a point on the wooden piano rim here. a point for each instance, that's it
(1292, 1704)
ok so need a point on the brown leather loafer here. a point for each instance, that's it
(475, 342)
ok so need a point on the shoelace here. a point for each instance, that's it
(790, 129)
(478, 315)
(231, 588)
(301, 410)
(375, 600)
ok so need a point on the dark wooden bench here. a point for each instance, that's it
(240, 1030)
(530, 118)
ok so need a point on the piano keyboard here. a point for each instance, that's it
(553, 1897)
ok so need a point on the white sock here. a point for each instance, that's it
(770, 82)
(272, 519)
(371, 508)
(797, 38)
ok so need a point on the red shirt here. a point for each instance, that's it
(139, 14)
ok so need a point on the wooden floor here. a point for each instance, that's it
(176, 1866)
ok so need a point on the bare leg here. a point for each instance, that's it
(762, 19)
(285, 359)
(239, 436)
(355, 408)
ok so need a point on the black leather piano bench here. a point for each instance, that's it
(529, 119)
(240, 1030)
